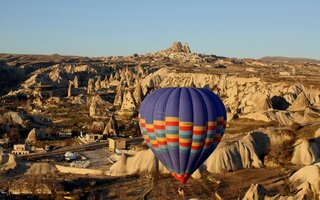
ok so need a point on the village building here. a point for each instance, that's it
(116, 143)
(91, 137)
(20, 149)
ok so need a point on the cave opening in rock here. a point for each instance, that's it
(279, 103)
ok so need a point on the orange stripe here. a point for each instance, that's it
(159, 127)
(172, 123)
(186, 128)
(173, 139)
(162, 143)
(201, 132)
(142, 125)
(147, 140)
(195, 147)
(185, 144)
(155, 145)
(151, 130)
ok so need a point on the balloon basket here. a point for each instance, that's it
(182, 189)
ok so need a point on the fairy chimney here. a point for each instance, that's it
(118, 98)
(90, 86)
(70, 88)
(111, 128)
(98, 84)
(76, 82)
(138, 94)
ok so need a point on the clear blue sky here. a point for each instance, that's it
(247, 28)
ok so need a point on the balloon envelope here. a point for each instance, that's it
(182, 126)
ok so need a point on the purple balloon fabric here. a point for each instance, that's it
(182, 126)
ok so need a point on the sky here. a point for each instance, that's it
(242, 29)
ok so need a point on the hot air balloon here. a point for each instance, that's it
(182, 127)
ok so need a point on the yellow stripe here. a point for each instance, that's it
(158, 122)
(184, 140)
(149, 125)
(172, 119)
(185, 123)
(146, 137)
(199, 128)
(161, 139)
(142, 120)
(212, 123)
(153, 142)
(196, 144)
(172, 136)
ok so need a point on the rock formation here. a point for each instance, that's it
(90, 88)
(308, 180)
(177, 47)
(1, 155)
(112, 127)
(140, 162)
(118, 98)
(14, 118)
(128, 102)
(98, 106)
(34, 135)
(79, 100)
(143, 161)
(105, 82)
(186, 48)
(76, 82)
(111, 78)
(117, 76)
(303, 191)
(58, 76)
(98, 84)
(70, 88)
(235, 153)
(138, 94)
(9, 165)
(301, 103)
(140, 71)
(306, 151)
(97, 126)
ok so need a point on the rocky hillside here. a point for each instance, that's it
(289, 59)
(273, 107)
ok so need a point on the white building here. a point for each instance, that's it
(90, 137)
(20, 149)
(116, 143)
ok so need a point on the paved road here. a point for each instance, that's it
(78, 148)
